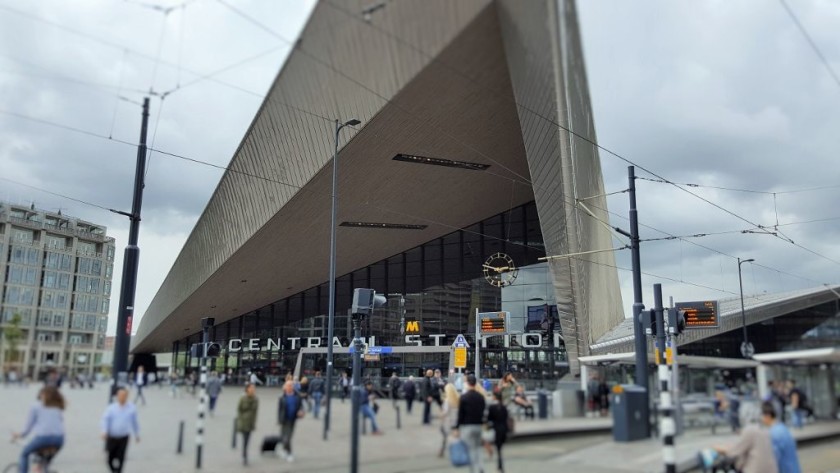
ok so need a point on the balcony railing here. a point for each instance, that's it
(74, 232)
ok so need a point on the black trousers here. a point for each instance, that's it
(246, 436)
(408, 402)
(116, 447)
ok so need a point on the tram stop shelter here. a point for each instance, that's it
(816, 371)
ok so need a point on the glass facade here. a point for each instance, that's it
(439, 284)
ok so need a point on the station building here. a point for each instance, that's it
(475, 144)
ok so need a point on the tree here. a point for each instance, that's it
(13, 335)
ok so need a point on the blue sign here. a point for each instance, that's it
(460, 342)
(376, 350)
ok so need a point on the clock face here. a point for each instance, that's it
(499, 270)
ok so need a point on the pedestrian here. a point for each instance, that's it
(394, 384)
(439, 384)
(784, 445)
(303, 390)
(449, 415)
(410, 392)
(46, 422)
(118, 424)
(254, 379)
(470, 420)
(344, 382)
(499, 419)
(798, 402)
(246, 417)
(289, 410)
(214, 388)
(316, 390)
(603, 397)
(521, 401)
(753, 451)
(431, 393)
(368, 406)
(507, 386)
(139, 382)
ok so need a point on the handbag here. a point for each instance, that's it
(488, 435)
(458, 454)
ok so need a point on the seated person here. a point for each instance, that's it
(522, 401)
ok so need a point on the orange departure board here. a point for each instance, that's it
(492, 323)
(702, 314)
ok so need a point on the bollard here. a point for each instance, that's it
(399, 424)
(364, 423)
(180, 438)
(233, 439)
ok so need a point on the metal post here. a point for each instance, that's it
(206, 324)
(180, 438)
(477, 347)
(638, 306)
(131, 258)
(331, 313)
(331, 316)
(746, 346)
(667, 427)
(233, 439)
(399, 424)
(355, 393)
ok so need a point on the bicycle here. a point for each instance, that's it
(39, 461)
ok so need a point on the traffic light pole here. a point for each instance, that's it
(667, 426)
(356, 393)
(131, 259)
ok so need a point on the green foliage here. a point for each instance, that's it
(12, 334)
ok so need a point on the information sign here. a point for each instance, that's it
(460, 357)
(492, 323)
(699, 315)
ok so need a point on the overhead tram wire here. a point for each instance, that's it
(365, 87)
(111, 44)
(56, 194)
(263, 178)
(713, 250)
(387, 210)
(825, 62)
(753, 191)
(779, 234)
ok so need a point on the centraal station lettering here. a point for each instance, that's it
(524, 340)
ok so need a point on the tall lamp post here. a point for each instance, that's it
(747, 350)
(331, 316)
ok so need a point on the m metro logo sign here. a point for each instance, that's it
(412, 326)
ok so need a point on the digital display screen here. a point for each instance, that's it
(492, 323)
(703, 314)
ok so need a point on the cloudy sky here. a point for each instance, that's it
(725, 94)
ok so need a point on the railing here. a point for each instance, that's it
(75, 232)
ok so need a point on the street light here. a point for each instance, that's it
(331, 316)
(747, 349)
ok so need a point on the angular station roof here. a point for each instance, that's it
(477, 82)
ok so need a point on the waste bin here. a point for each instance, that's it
(542, 404)
(630, 413)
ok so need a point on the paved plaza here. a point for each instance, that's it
(411, 449)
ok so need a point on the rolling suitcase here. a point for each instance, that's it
(269, 444)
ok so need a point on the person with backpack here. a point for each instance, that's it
(394, 386)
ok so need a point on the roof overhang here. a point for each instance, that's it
(816, 356)
(440, 113)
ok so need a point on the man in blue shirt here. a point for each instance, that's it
(784, 445)
(289, 410)
(118, 423)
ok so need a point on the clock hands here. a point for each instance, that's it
(498, 270)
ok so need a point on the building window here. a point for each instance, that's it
(19, 295)
(75, 340)
(77, 321)
(24, 275)
(25, 236)
(105, 306)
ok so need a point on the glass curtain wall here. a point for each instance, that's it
(439, 284)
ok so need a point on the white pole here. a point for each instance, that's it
(477, 347)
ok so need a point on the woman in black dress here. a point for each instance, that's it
(498, 417)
